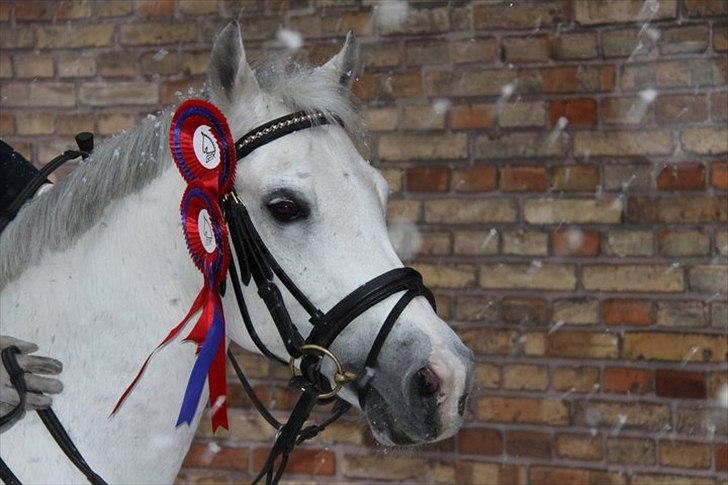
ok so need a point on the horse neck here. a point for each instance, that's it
(100, 307)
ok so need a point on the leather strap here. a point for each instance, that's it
(263, 134)
(370, 364)
(287, 437)
(32, 187)
(50, 420)
(17, 379)
(248, 249)
(332, 323)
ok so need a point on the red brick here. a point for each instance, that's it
(480, 441)
(680, 209)
(579, 112)
(571, 79)
(32, 10)
(627, 312)
(682, 176)
(680, 384)
(683, 454)
(7, 124)
(720, 175)
(527, 311)
(676, 347)
(301, 461)
(73, 10)
(212, 456)
(570, 242)
(705, 8)
(365, 87)
(475, 179)
(523, 179)
(576, 379)
(481, 473)
(721, 457)
(575, 177)
(541, 475)
(564, 343)
(497, 15)
(681, 109)
(525, 49)
(528, 443)
(405, 85)
(719, 101)
(426, 179)
(622, 379)
(469, 116)
(579, 446)
(155, 8)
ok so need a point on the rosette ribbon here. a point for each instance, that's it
(203, 150)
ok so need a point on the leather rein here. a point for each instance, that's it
(253, 261)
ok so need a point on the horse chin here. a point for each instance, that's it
(386, 428)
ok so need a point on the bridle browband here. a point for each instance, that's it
(253, 261)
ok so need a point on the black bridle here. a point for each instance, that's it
(253, 262)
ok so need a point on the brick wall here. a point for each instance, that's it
(567, 165)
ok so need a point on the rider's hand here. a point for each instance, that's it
(36, 384)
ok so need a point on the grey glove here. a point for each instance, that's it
(37, 384)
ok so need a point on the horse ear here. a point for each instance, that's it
(345, 64)
(229, 74)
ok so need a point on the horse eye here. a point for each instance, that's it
(285, 210)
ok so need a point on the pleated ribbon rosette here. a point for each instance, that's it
(204, 152)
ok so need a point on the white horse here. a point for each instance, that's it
(96, 272)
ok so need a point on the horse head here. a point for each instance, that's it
(320, 207)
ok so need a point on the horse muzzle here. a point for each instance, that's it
(424, 404)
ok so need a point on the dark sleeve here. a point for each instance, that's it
(15, 173)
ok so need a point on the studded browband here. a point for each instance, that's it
(279, 127)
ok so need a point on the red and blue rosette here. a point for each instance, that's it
(202, 145)
(203, 150)
(207, 241)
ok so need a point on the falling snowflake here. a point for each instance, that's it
(290, 38)
(440, 106)
(617, 428)
(406, 239)
(390, 14)
(722, 396)
(160, 54)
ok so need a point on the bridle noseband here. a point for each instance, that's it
(253, 262)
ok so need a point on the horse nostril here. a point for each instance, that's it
(426, 381)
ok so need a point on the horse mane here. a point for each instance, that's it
(127, 162)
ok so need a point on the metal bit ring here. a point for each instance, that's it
(341, 376)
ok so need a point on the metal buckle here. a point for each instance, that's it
(341, 376)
